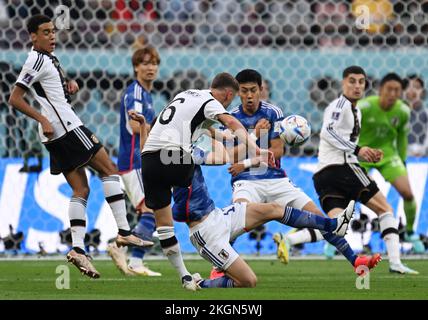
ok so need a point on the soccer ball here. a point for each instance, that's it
(295, 130)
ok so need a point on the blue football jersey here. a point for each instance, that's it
(135, 98)
(193, 202)
(274, 115)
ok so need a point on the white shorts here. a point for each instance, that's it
(133, 186)
(281, 191)
(211, 237)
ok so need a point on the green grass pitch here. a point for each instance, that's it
(303, 279)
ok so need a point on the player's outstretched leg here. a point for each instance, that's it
(113, 193)
(389, 232)
(77, 214)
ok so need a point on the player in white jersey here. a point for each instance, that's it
(166, 158)
(71, 145)
(339, 177)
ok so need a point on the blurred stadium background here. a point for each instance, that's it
(299, 46)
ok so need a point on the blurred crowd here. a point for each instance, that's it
(225, 23)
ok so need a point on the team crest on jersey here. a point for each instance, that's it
(223, 254)
(95, 139)
(335, 115)
(27, 78)
(395, 121)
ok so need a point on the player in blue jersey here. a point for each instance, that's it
(211, 228)
(137, 96)
(262, 120)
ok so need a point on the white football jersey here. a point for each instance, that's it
(43, 76)
(179, 123)
(339, 133)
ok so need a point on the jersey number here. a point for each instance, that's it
(168, 113)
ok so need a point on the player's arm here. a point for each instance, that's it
(32, 71)
(140, 120)
(402, 138)
(17, 101)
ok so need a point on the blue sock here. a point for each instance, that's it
(222, 282)
(144, 229)
(341, 245)
(304, 219)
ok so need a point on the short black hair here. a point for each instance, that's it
(249, 75)
(391, 77)
(225, 80)
(413, 77)
(353, 69)
(35, 21)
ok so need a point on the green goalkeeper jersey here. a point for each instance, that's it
(384, 129)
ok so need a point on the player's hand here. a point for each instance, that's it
(134, 115)
(47, 129)
(368, 154)
(268, 157)
(72, 87)
(262, 124)
(236, 169)
(379, 155)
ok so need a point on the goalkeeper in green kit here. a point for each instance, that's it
(385, 126)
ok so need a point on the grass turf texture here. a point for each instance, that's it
(317, 279)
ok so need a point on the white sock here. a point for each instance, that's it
(135, 262)
(115, 198)
(304, 236)
(171, 249)
(388, 228)
(77, 215)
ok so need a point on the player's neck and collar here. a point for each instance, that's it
(352, 101)
(383, 105)
(49, 54)
(146, 85)
(249, 113)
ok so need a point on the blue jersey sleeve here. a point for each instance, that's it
(275, 128)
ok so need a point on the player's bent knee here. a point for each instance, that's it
(248, 281)
(81, 192)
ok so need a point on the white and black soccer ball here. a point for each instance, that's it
(295, 130)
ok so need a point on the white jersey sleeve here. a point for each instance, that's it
(213, 109)
(32, 70)
(334, 126)
(339, 134)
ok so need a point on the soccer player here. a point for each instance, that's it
(166, 158)
(137, 96)
(339, 177)
(385, 126)
(70, 144)
(262, 120)
(211, 229)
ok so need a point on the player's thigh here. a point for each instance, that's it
(393, 169)
(402, 185)
(102, 163)
(285, 193)
(378, 204)
(133, 183)
(260, 213)
(242, 274)
(211, 239)
(78, 182)
(246, 190)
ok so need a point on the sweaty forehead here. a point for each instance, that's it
(46, 26)
(356, 76)
(248, 85)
